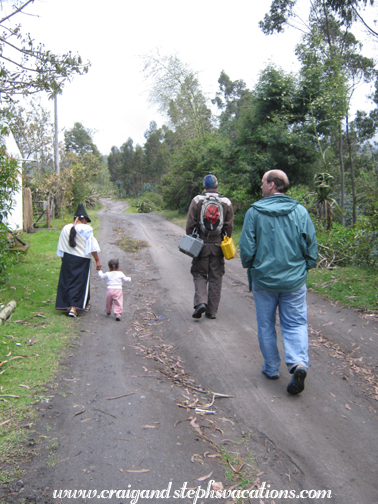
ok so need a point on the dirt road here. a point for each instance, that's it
(122, 413)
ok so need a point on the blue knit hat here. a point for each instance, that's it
(210, 182)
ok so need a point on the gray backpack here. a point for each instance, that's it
(211, 215)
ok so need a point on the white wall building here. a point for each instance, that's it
(15, 218)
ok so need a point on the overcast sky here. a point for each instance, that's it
(209, 35)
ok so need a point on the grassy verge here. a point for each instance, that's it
(32, 340)
(351, 286)
(174, 216)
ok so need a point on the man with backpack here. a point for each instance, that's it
(213, 216)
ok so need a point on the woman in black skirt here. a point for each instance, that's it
(76, 246)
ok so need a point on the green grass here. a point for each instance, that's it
(32, 340)
(174, 216)
(240, 469)
(353, 287)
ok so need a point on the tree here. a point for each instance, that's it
(156, 155)
(177, 93)
(331, 54)
(282, 12)
(9, 173)
(324, 201)
(79, 140)
(268, 133)
(26, 67)
(230, 99)
(34, 134)
(79, 175)
(9, 184)
(332, 66)
(127, 167)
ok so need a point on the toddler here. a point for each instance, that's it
(114, 293)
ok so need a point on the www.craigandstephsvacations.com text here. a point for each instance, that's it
(193, 494)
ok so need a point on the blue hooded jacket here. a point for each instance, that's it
(278, 243)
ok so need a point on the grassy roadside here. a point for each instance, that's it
(32, 341)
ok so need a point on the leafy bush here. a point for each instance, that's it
(347, 246)
(366, 240)
(9, 184)
(149, 202)
(143, 207)
(336, 246)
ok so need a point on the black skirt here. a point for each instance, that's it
(73, 286)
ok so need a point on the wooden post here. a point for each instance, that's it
(27, 208)
(48, 213)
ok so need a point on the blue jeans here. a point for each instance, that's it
(293, 320)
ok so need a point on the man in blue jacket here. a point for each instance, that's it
(278, 246)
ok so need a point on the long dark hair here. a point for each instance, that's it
(72, 238)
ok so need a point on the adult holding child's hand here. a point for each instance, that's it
(76, 246)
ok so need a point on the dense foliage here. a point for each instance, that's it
(9, 184)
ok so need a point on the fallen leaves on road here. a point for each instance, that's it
(357, 367)
(135, 470)
(119, 397)
(204, 478)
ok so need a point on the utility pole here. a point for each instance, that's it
(56, 150)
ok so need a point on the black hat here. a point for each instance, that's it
(81, 213)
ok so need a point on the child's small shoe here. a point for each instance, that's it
(118, 319)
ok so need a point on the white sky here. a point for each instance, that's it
(209, 35)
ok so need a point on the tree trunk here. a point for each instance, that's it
(354, 199)
(48, 213)
(342, 181)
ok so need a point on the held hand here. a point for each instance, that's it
(98, 266)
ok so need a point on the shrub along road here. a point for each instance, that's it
(126, 412)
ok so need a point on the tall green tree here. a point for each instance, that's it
(332, 65)
(33, 131)
(9, 185)
(268, 132)
(79, 140)
(176, 90)
(90, 176)
(282, 12)
(230, 99)
(156, 155)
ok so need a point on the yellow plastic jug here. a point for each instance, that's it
(228, 247)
